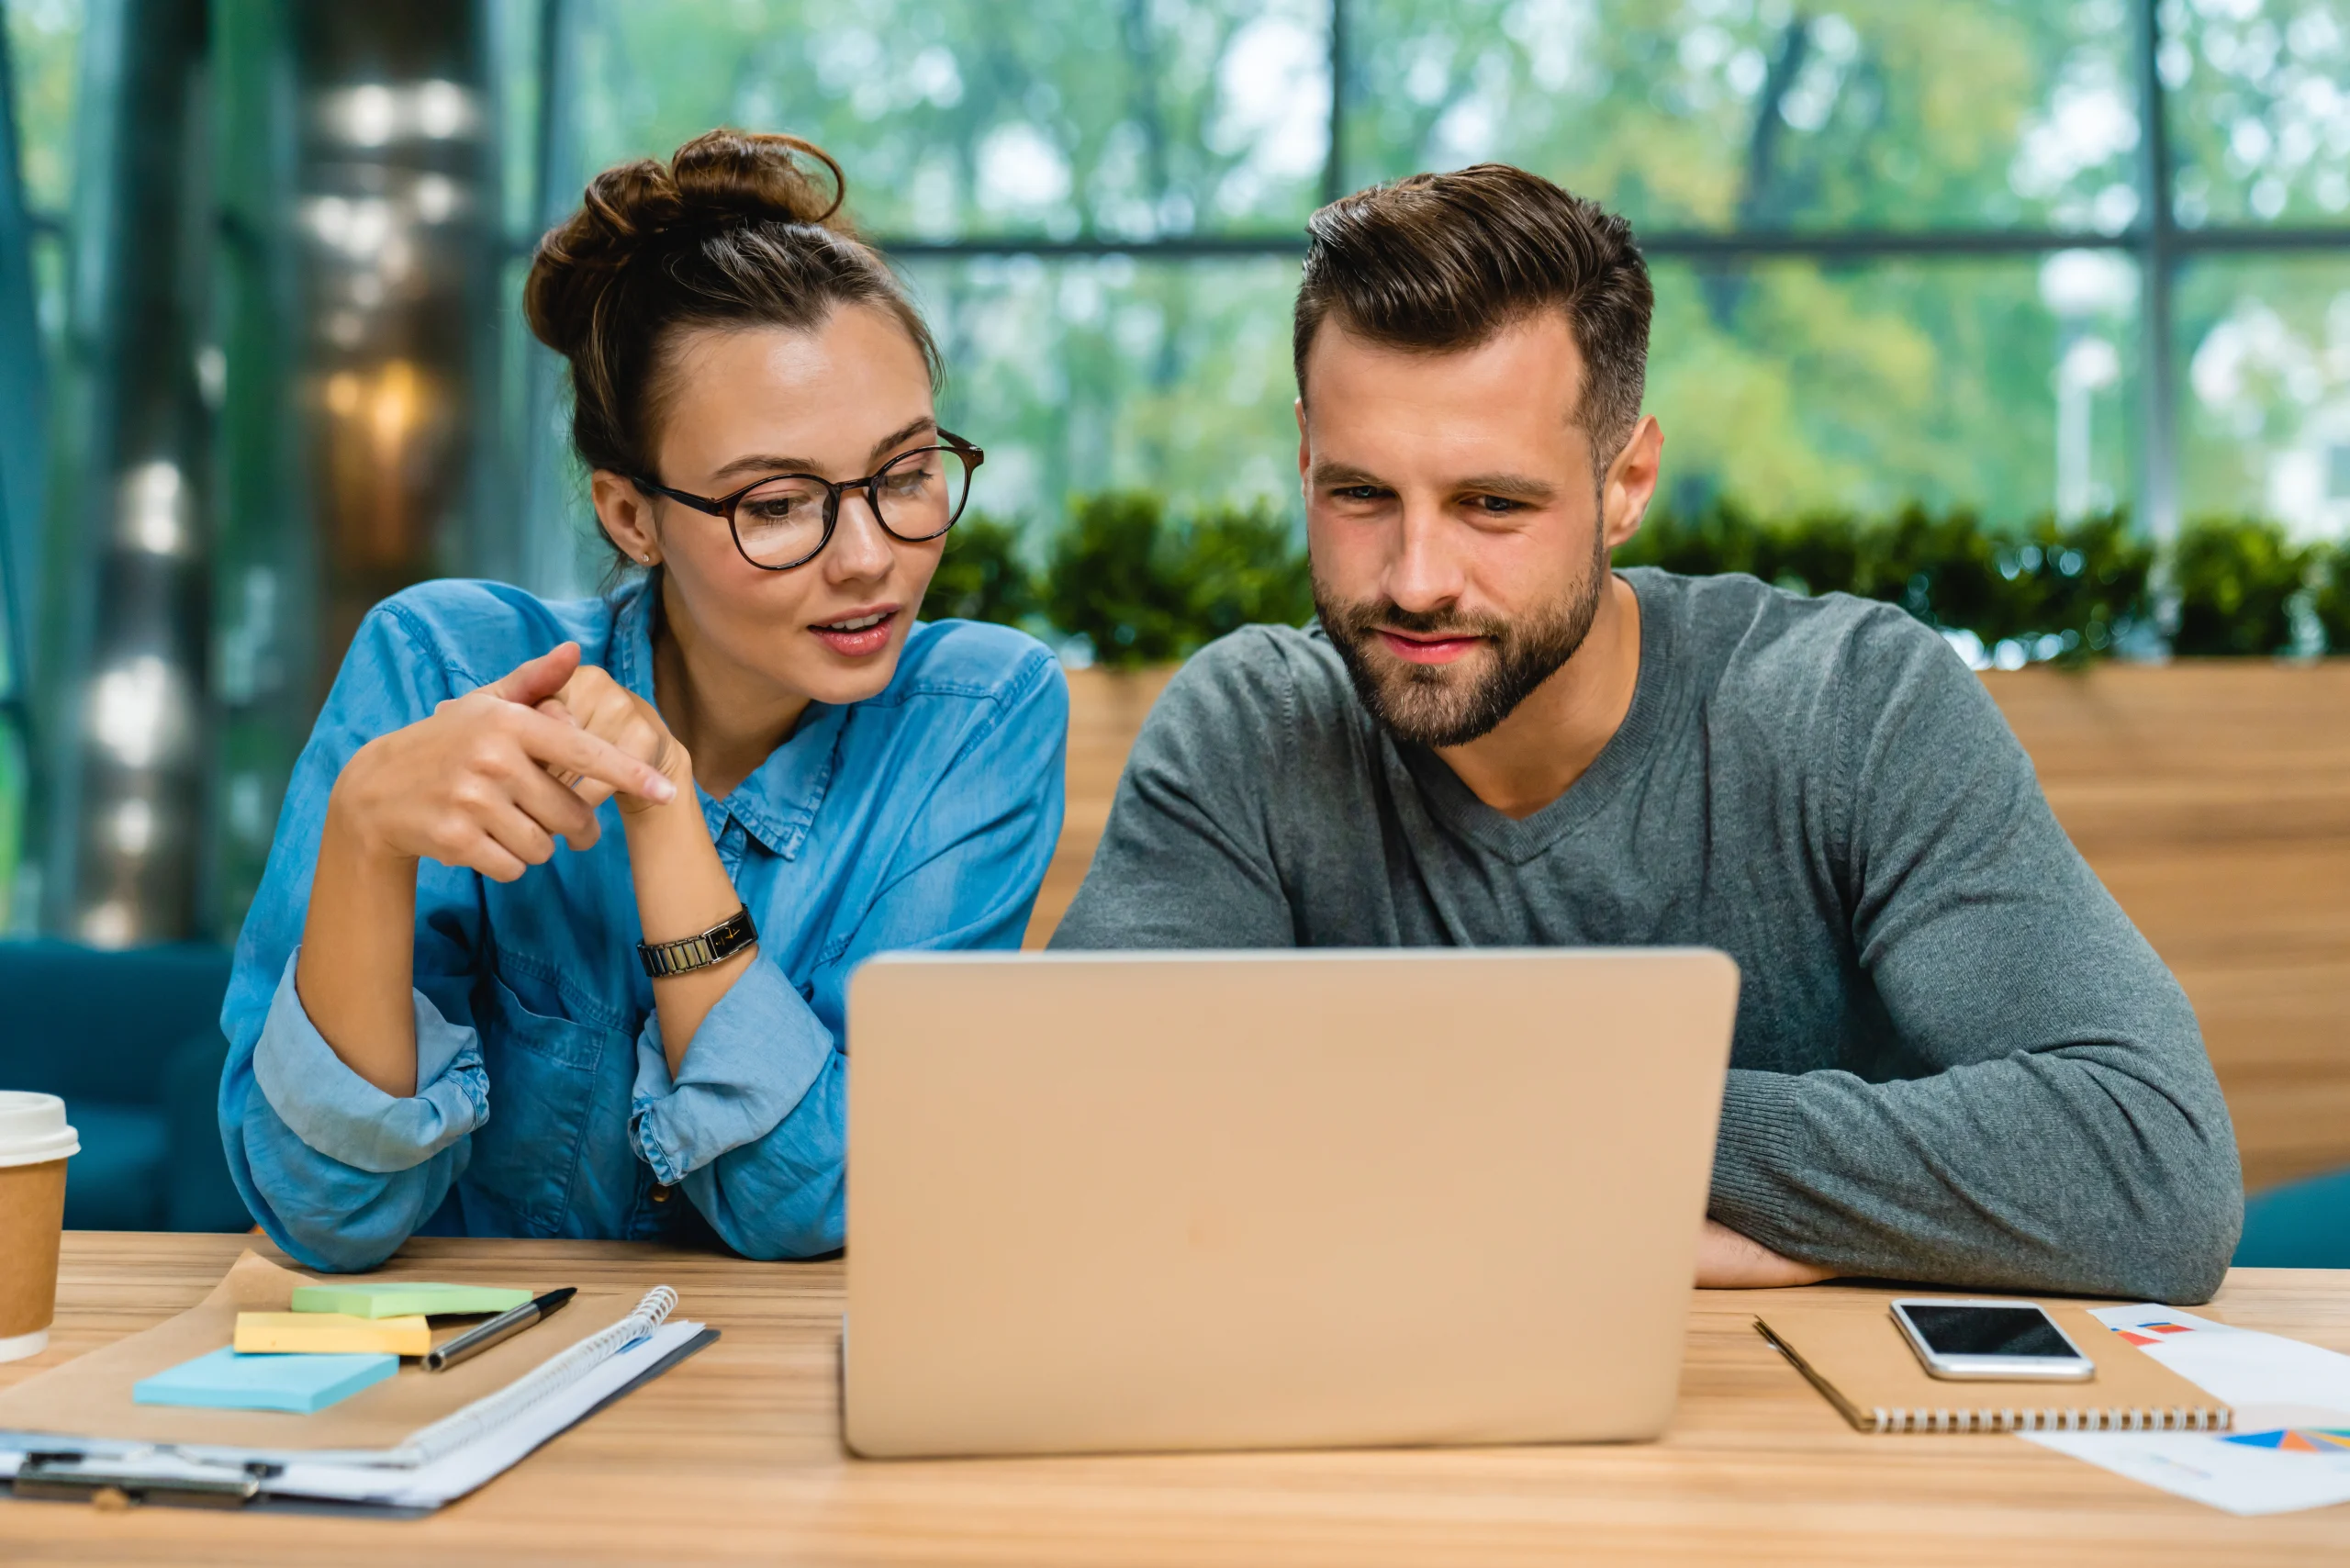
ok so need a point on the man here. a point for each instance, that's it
(1956, 1059)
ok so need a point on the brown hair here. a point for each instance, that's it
(1440, 262)
(735, 229)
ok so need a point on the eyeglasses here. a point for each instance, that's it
(786, 519)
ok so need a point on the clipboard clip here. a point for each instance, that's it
(125, 1481)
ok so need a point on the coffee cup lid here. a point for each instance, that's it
(33, 1129)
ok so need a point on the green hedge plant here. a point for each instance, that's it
(980, 576)
(1142, 587)
(2330, 604)
(2237, 580)
(2067, 592)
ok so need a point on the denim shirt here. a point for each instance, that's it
(919, 818)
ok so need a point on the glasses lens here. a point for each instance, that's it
(781, 522)
(922, 493)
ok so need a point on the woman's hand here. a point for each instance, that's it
(481, 784)
(682, 886)
(606, 710)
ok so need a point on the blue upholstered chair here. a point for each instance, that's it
(131, 1041)
(2303, 1225)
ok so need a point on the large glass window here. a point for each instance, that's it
(2259, 94)
(2267, 425)
(1903, 253)
(1997, 384)
(2013, 257)
(1734, 115)
(1047, 119)
(1092, 372)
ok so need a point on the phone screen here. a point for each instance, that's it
(1989, 1331)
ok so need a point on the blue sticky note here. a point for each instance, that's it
(227, 1380)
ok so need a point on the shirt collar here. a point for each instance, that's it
(778, 801)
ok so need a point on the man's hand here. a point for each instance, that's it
(1729, 1262)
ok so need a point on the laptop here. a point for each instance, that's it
(1104, 1202)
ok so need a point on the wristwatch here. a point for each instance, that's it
(715, 945)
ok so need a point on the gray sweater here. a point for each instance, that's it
(1955, 1060)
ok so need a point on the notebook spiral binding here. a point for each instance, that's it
(454, 1431)
(2179, 1420)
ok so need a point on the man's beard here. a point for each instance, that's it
(1443, 705)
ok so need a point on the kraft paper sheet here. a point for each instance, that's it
(89, 1398)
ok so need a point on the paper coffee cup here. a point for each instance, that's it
(34, 1143)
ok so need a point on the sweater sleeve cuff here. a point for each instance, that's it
(750, 1063)
(1761, 1139)
(344, 1117)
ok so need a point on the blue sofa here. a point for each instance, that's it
(131, 1040)
(2303, 1225)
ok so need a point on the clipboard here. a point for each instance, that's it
(74, 1430)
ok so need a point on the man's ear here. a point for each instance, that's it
(626, 513)
(1632, 481)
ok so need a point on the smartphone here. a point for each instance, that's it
(1997, 1339)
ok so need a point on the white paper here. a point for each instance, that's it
(2271, 1382)
(488, 1456)
(2232, 1476)
(2248, 1371)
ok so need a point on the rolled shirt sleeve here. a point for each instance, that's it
(342, 1116)
(752, 1062)
(350, 1171)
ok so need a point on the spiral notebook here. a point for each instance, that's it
(1867, 1371)
(413, 1440)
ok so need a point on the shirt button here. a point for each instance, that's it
(660, 1193)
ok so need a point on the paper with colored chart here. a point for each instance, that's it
(2290, 1445)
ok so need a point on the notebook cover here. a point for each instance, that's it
(1864, 1366)
(90, 1397)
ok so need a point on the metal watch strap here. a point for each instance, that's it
(715, 945)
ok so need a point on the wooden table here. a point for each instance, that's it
(735, 1456)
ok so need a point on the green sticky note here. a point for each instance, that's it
(406, 1299)
(296, 1384)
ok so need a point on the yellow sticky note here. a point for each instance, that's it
(330, 1333)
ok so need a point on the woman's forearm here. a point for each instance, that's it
(682, 889)
(358, 960)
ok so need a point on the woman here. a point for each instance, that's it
(742, 771)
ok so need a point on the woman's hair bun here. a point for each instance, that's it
(736, 230)
(721, 178)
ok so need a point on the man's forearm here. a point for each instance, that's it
(1730, 1261)
(2046, 1170)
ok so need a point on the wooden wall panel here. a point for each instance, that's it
(2213, 798)
(1105, 711)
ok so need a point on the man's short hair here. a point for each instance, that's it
(1442, 262)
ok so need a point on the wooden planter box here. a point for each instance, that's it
(2213, 796)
